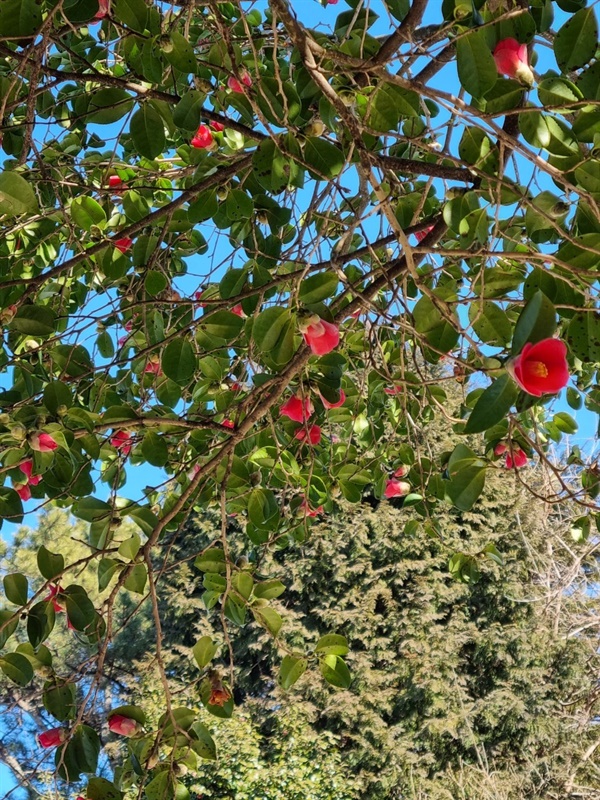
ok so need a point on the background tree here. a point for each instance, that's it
(234, 244)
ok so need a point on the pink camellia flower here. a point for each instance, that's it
(512, 60)
(55, 589)
(337, 404)
(121, 440)
(332, 2)
(23, 490)
(238, 310)
(541, 368)
(123, 244)
(203, 138)
(217, 126)
(297, 408)
(515, 456)
(52, 737)
(191, 474)
(27, 468)
(321, 336)
(124, 726)
(420, 235)
(395, 488)
(308, 511)
(393, 390)
(103, 9)
(402, 471)
(313, 434)
(42, 442)
(153, 366)
(236, 86)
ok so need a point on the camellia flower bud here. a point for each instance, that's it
(512, 60)
(395, 488)
(52, 737)
(124, 726)
(42, 442)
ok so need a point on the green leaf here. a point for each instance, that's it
(101, 789)
(334, 670)
(11, 507)
(91, 509)
(263, 509)
(279, 108)
(160, 787)
(583, 336)
(536, 321)
(212, 560)
(7, 628)
(576, 41)
(40, 622)
(136, 580)
(74, 360)
(87, 213)
(388, 104)
(154, 449)
(79, 755)
(467, 477)
(332, 644)
(223, 325)
(268, 590)
(155, 282)
(147, 131)
(80, 609)
(132, 13)
(57, 394)
(180, 54)
(317, 288)
(16, 195)
(269, 619)
(59, 699)
(130, 547)
(493, 405)
(435, 328)
(204, 651)
(15, 588)
(490, 323)
(50, 565)
(107, 569)
(179, 362)
(19, 18)
(107, 106)
(476, 67)
(17, 668)
(292, 668)
(324, 159)
(188, 111)
(202, 742)
(34, 321)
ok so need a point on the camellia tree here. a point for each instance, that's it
(248, 244)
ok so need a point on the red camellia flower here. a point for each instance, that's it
(203, 138)
(52, 737)
(123, 244)
(122, 441)
(297, 408)
(227, 423)
(321, 336)
(27, 468)
(238, 310)
(236, 86)
(541, 368)
(337, 404)
(23, 490)
(420, 235)
(42, 442)
(308, 511)
(395, 488)
(515, 457)
(55, 589)
(393, 390)
(402, 471)
(115, 182)
(313, 434)
(217, 126)
(103, 9)
(511, 59)
(124, 726)
(153, 366)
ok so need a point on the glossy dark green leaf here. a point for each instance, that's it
(493, 405)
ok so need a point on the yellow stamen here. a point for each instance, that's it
(539, 369)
